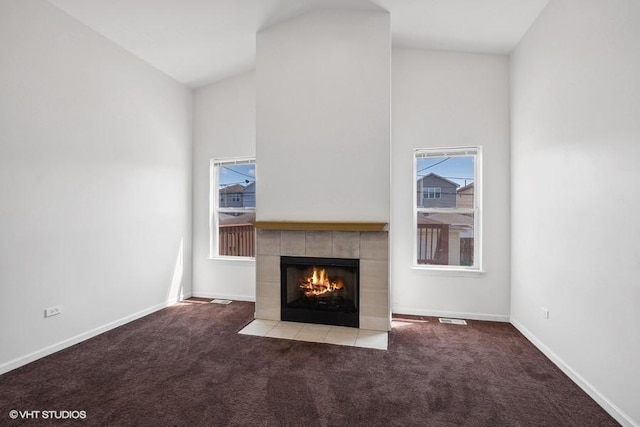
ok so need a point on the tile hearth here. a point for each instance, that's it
(327, 334)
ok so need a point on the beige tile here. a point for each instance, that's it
(376, 312)
(346, 244)
(318, 244)
(374, 298)
(340, 339)
(374, 274)
(285, 331)
(292, 243)
(268, 301)
(370, 339)
(374, 245)
(370, 333)
(374, 303)
(374, 323)
(267, 312)
(271, 303)
(268, 242)
(316, 327)
(287, 324)
(262, 322)
(269, 290)
(258, 328)
(268, 268)
(312, 335)
(343, 330)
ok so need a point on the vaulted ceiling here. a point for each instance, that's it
(200, 41)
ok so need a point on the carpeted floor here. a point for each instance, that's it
(187, 366)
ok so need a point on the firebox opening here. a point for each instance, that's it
(320, 290)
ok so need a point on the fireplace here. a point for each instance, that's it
(366, 242)
(320, 290)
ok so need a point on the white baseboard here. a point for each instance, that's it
(585, 385)
(453, 314)
(38, 354)
(213, 295)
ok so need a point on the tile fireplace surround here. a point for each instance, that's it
(368, 242)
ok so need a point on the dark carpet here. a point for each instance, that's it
(187, 366)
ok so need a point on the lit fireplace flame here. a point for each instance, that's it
(319, 284)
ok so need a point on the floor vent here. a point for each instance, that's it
(221, 301)
(452, 321)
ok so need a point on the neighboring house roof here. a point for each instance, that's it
(235, 188)
(466, 187)
(435, 175)
(453, 219)
(243, 219)
(427, 220)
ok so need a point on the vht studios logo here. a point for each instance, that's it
(47, 415)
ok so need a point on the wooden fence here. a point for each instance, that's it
(433, 244)
(237, 240)
(466, 251)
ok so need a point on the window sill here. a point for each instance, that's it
(442, 271)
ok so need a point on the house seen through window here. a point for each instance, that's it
(447, 207)
(234, 211)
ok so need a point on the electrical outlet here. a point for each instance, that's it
(52, 311)
(545, 313)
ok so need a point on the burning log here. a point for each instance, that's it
(320, 285)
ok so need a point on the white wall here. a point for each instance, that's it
(224, 127)
(439, 100)
(95, 200)
(575, 175)
(323, 117)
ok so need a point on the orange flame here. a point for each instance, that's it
(319, 283)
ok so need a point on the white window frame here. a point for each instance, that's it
(214, 205)
(476, 210)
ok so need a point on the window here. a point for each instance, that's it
(447, 208)
(433, 192)
(233, 211)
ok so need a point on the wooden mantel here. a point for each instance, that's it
(321, 226)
